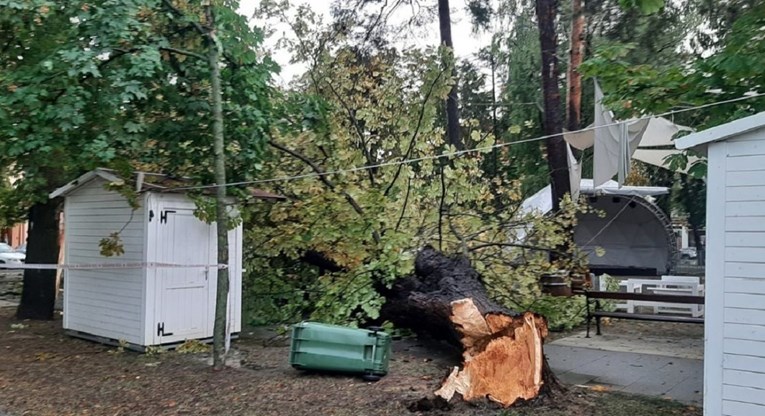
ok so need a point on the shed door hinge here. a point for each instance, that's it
(151, 215)
(163, 215)
(161, 330)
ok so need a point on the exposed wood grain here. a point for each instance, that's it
(503, 356)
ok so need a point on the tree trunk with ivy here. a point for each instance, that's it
(38, 295)
(216, 97)
(502, 349)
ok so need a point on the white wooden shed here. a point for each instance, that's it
(734, 348)
(143, 305)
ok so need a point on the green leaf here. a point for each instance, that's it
(133, 127)
(698, 170)
(650, 6)
(645, 6)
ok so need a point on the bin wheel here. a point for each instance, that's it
(372, 378)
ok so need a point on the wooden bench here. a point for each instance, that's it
(598, 313)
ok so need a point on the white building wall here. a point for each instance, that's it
(107, 303)
(736, 311)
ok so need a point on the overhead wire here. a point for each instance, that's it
(458, 152)
(608, 224)
(498, 103)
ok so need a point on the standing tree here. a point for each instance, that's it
(221, 214)
(557, 158)
(692, 198)
(65, 109)
(452, 101)
(576, 56)
(521, 97)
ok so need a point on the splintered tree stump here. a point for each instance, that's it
(503, 356)
(502, 350)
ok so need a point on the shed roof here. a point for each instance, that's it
(722, 132)
(146, 182)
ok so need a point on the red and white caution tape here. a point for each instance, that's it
(99, 266)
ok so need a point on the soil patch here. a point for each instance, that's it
(44, 372)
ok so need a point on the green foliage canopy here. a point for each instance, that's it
(121, 84)
(343, 237)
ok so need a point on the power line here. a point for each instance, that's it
(497, 104)
(608, 224)
(459, 152)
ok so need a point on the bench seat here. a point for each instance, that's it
(648, 317)
(653, 298)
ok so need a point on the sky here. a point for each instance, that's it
(466, 43)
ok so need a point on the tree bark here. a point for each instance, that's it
(502, 349)
(547, 11)
(700, 249)
(576, 56)
(216, 97)
(494, 126)
(38, 295)
(452, 101)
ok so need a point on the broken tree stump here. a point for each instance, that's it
(502, 350)
(503, 356)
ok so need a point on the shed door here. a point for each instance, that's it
(183, 305)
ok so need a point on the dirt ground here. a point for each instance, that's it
(45, 372)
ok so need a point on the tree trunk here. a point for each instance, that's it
(216, 96)
(494, 126)
(452, 102)
(700, 252)
(38, 295)
(576, 55)
(557, 158)
(502, 349)
(692, 198)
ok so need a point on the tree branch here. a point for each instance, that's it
(321, 261)
(460, 237)
(414, 135)
(358, 129)
(118, 52)
(524, 246)
(441, 210)
(324, 179)
(179, 13)
(183, 52)
(406, 202)
(316, 168)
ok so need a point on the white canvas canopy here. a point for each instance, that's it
(648, 139)
(658, 157)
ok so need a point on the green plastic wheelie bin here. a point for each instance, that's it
(322, 347)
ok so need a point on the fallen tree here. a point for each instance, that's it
(502, 349)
